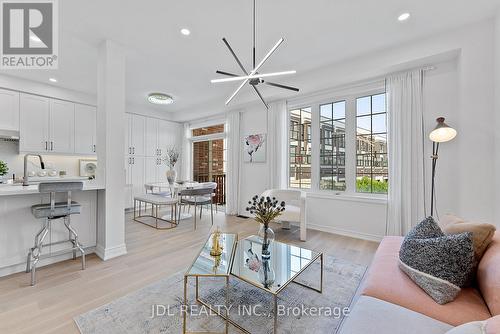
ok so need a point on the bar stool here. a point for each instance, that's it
(53, 211)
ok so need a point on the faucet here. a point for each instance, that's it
(42, 165)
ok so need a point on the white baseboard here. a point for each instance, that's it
(110, 252)
(347, 233)
(21, 265)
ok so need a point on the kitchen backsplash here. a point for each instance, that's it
(15, 161)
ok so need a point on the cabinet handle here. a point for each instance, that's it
(133, 150)
(46, 146)
(160, 151)
(51, 145)
(133, 161)
(94, 148)
(129, 150)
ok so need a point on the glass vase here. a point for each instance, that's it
(267, 275)
(266, 236)
(171, 176)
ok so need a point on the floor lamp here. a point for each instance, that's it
(441, 134)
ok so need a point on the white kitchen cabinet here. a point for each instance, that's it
(145, 164)
(127, 120)
(135, 176)
(151, 169)
(34, 123)
(137, 138)
(85, 129)
(151, 146)
(9, 106)
(155, 170)
(61, 126)
(55, 126)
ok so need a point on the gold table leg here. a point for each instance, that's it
(185, 306)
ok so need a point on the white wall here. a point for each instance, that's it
(459, 89)
(9, 153)
(497, 117)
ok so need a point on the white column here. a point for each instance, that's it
(496, 132)
(110, 156)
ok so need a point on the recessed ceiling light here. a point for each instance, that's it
(52, 79)
(160, 98)
(403, 17)
(185, 32)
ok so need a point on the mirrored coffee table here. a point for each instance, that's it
(274, 272)
(206, 265)
(244, 260)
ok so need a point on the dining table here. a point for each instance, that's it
(174, 189)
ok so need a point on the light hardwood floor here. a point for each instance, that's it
(64, 291)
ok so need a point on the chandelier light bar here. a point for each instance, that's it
(250, 77)
(253, 78)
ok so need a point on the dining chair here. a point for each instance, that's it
(197, 197)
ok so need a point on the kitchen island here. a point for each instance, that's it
(18, 226)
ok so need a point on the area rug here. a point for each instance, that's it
(158, 307)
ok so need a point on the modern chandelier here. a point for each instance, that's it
(254, 78)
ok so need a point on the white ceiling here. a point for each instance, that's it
(317, 33)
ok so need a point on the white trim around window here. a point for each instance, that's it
(348, 94)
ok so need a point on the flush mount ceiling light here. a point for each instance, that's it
(160, 98)
(185, 32)
(403, 17)
(52, 79)
(254, 78)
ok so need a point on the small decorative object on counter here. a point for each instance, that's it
(216, 246)
(3, 170)
(172, 158)
(266, 210)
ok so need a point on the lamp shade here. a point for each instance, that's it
(442, 132)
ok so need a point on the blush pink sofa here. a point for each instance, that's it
(406, 308)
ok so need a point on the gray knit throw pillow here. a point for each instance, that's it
(440, 264)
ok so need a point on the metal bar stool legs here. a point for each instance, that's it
(36, 251)
(74, 240)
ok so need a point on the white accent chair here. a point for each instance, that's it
(295, 209)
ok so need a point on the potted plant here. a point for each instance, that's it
(266, 210)
(172, 158)
(3, 170)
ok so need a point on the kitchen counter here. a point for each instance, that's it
(19, 189)
(18, 226)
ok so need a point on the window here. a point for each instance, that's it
(371, 144)
(300, 148)
(332, 146)
(349, 136)
(208, 130)
(209, 158)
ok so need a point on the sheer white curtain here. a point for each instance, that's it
(186, 153)
(277, 141)
(406, 198)
(233, 162)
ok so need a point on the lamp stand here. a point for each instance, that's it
(434, 157)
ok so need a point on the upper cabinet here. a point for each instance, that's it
(85, 129)
(56, 126)
(9, 105)
(62, 126)
(137, 130)
(34, 123)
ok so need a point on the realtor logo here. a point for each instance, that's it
(29, 34)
